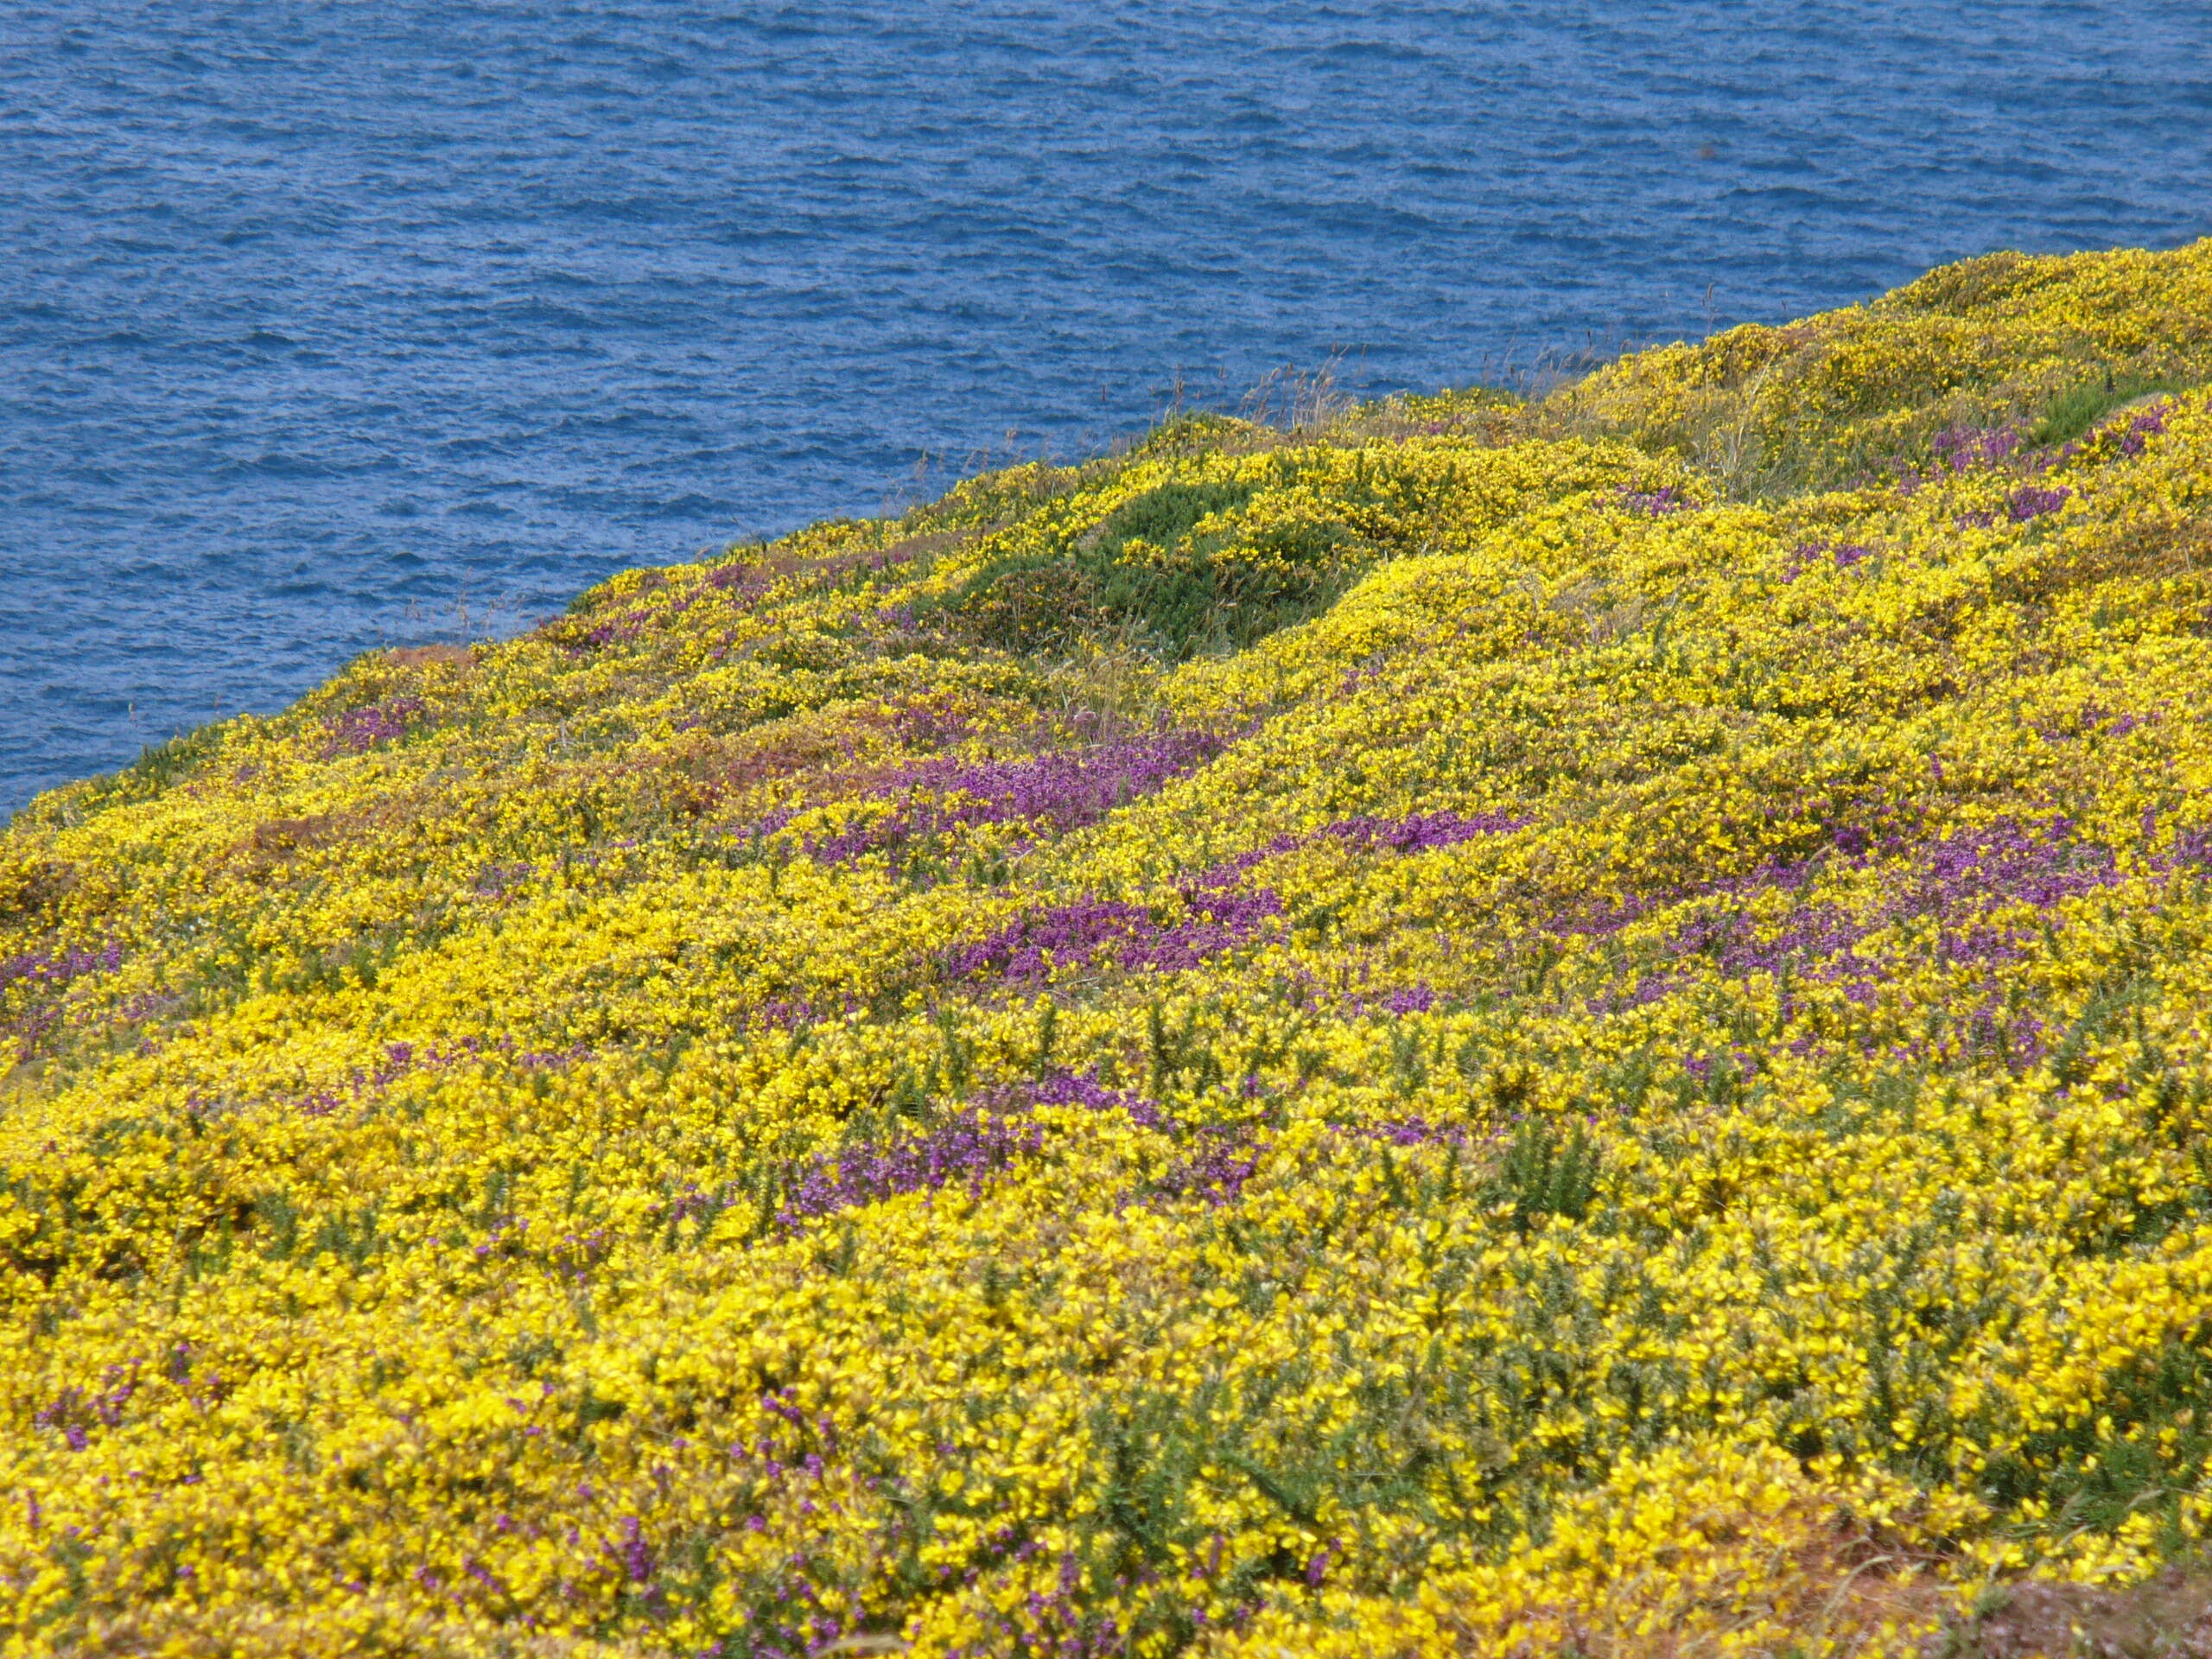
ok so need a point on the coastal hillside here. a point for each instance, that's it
(1459, 1026)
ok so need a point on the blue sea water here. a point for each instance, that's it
(326, 325)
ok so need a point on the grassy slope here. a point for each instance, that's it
(1484, 1023)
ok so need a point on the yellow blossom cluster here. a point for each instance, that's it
(1482, 1027)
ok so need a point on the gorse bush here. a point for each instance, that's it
(1193, 563)
(2001, 343)
(1550, 1027)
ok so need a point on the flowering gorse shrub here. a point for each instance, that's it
(1501, 1030)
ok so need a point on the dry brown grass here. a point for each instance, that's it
(431, 655)
(2169, 1616)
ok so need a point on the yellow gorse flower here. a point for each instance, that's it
(1485, 1026)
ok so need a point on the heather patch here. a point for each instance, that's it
(1048, 794)
(1176, 936)
(359, 729)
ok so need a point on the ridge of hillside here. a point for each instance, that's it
(1470, 1025)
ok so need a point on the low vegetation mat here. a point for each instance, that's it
(1573, 1025)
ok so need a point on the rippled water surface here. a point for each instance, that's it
(323, 326)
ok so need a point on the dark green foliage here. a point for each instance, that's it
(1143, 576)
(2094, 1473)
(352, 1235)
(1543, 1175)
(1166, 516)
(2075, 410)
(1160, 1453)
(276, 1220)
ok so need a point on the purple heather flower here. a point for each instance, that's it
(2007, 861)
(2191, 851)
(1217, 1172)
(2033, 500)
(1805, 554)
(747, 581)
(1067, 1089)
(1960, 447)
(1951, 881)
(925, 723)
(60, 967)
(1025, 948)
(1052, 793)
(1411, 1132)
(636, 1558)
(62, 1414)
(1421, 831)
(537, 1058)
(624, 626)
(1656, 504)
(1216, 918)
(969, 1147)
(358, 729)
(2150, 421)
(966, 1147)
